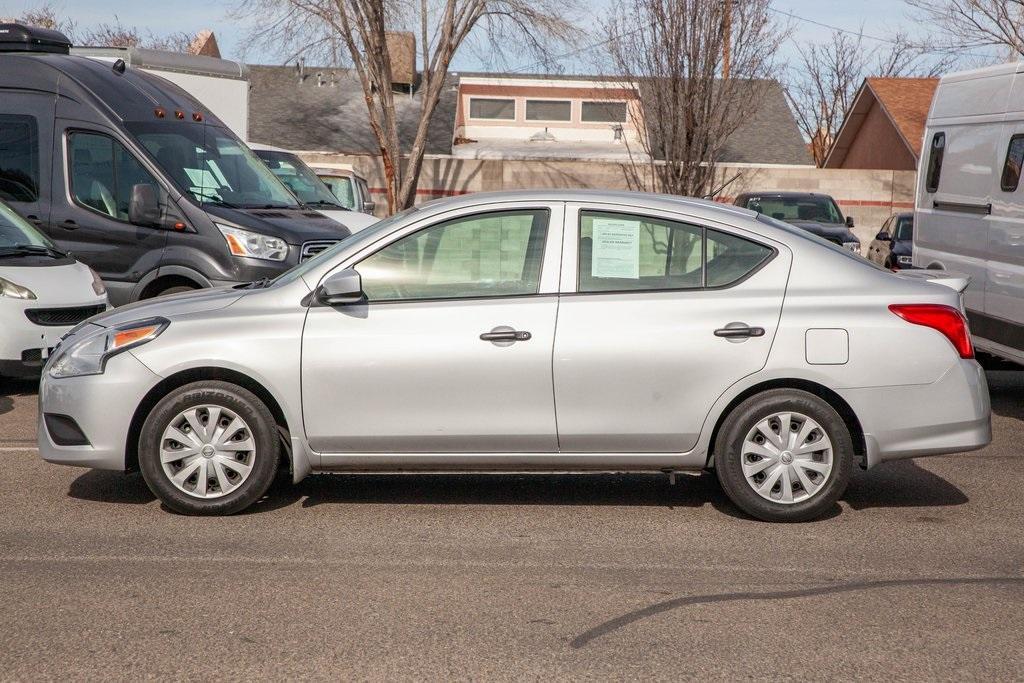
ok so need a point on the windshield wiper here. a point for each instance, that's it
(212, 199)
(322, 202)
(262, 283)
(23, 249)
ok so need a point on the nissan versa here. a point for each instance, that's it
(565, 331)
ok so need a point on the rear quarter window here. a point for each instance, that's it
(936, 151)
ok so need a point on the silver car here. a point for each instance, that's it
(541, 331)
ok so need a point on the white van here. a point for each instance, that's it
(970, 199)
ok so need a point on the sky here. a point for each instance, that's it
(877, 17)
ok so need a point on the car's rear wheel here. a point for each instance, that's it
(784, 456)
(209, 448)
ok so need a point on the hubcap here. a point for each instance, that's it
(787, 458)
(207, 451)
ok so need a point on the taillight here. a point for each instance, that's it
(946, 319)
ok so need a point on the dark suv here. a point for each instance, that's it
(816, 213)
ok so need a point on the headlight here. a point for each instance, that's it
(253, 244)
(905, 260)
(8, 288)
(852, 246)
(97, 283)
(89, 355)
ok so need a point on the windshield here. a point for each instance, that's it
(904, 228)
(299, 178)
(820, 209)
(342, 189)
(16, 231)
(212, 165)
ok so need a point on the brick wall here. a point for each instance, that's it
(869, 196)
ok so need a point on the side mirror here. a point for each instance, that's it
(849, 221)
(369, 207)
(342, 287)
(883, 237)
(144, 207)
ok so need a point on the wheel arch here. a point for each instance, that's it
(837, 402)
(183, 377)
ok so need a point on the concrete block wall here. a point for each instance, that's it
(869, 196)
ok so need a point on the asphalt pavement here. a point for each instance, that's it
(917, 574)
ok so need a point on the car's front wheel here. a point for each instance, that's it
(784, 456)
(209, 448)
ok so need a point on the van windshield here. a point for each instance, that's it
(212, 165)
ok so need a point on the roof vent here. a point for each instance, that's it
(18, 38)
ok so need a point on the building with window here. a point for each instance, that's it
(885, 125)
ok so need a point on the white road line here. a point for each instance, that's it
(19, 449)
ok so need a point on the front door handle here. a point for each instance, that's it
(739, 331)
(69, 225)
(35, 220)
(506, 335)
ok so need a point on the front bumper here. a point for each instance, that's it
(102, 406)
(950, 415)
(24, 345)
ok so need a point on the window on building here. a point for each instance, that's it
(483, 255)
(19, 158)
(938, 148)
(1012, 164)
(548, 110)
(489, 108)
(604, 112)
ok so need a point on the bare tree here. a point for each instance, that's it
(958, 26)
(830, 73)
(672, 51)
(358, 30)
(107, 34)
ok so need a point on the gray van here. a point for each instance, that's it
(969, 214)
(137, 178)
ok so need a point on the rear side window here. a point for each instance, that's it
(938, 148)
(19, 158)
(1011, 166)
(623, 252)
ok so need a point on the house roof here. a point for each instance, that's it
(905, 101)
(323, 110)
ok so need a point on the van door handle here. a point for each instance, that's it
(739, 331)
(505, 335)
(69, 225)
(35, 220)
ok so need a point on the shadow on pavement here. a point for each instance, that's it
(1006, 387)
(103, 486)
(9, 388)
(901, 483)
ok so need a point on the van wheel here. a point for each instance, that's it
(209, 448)
(784, 456)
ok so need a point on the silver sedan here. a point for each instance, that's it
(540, 331)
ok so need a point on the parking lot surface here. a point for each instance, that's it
(918, 574)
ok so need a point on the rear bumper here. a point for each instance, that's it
(951, 415)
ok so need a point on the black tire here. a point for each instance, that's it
(740, 422)
(263, 431)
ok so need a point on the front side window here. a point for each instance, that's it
(623, 252)
(490, 108)
(548, 110)
(484, 255)
(212, 165)
(103, 174)
(1011, 167)
(19, 158)
(341, 188)
(935, 154)
(299, 178)
(604, 112)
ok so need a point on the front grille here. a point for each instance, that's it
(59, 317)
(311, 249)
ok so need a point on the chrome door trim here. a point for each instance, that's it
(505, 462)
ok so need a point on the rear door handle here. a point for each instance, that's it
(738, 332)
(69, 225)
(506, 336)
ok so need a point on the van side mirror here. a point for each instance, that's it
(342, 287)
(883, 237)
(849, 221)
(369, 206)
(144, 207)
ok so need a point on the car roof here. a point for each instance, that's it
(784, 194)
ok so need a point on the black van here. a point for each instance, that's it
(137, 178)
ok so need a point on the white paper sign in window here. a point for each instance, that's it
(616, 249)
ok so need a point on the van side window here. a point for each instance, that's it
(19, 158)
(1011, 167)
(103, 174)
(935, 162)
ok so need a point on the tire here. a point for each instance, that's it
(237, 458)
(822, 461)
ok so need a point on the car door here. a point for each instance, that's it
(660, 314)
(451, 349)
(1003, 321)
(92, 221)
(878, 250)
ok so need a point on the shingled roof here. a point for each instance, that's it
(322, 110)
